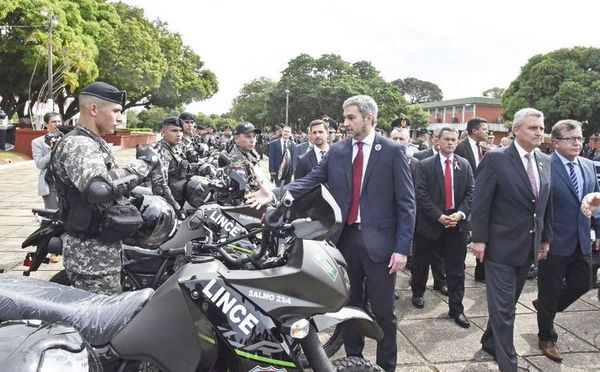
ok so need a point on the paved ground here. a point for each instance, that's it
(428, 340)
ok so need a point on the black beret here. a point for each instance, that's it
(105, 92)
(171, 120)
(187, 116)
(246, 127)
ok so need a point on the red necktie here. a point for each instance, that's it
(357, 166)
(448, 184)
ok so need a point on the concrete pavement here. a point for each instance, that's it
(428, 340)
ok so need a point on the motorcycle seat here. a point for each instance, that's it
(97, 317)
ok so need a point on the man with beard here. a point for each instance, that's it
(318, 135)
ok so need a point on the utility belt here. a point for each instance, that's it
(113, 223)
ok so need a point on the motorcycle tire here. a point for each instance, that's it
(61, 277)
(332, 342)
(355, 364)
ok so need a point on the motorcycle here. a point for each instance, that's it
(205, 316)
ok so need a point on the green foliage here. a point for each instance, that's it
(562, 84)
(495, 92)
(418, 91)
(95, 39)
(142, 130)
(418, 117)
(317, 87)
(132, 119)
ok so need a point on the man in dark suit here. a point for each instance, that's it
(569, 257)
(444, 192)
(511, 223)
(470, 149)
(318, 135)
(369, 177)
(437, 262)
(305, 146)
(277, 149)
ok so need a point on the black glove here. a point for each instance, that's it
(207, 170)
(149, 155)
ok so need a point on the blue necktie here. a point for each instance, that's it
(573, 177)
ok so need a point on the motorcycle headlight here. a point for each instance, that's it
(345, 278)
(60, 360)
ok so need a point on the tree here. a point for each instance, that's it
(418, 91)
(494, 92)
(319, 86)
(252, 104)
(95, 39)
(562, 84)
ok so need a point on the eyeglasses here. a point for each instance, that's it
(571, 139)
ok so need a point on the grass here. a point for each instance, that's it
(12, 156)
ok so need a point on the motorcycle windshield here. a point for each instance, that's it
(325, 215)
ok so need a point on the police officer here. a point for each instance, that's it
(225, 140)
(91, 190)
(242, 154)
(176, 168)
(190, 139)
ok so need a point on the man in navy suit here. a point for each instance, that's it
(444, 192)
(318, 135)
(369, 177)
(277, 148)
(511, 222)
(569, 257)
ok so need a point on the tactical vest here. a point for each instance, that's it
(107, 223)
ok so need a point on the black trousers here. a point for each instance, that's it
(561, 281)
(452, 247)
(374, 279)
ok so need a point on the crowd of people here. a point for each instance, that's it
(419, 202)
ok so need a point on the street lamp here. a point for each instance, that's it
(52, 21)
(287, 105)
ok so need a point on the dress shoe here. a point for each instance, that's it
(536, 304)
(533, 272)
(442, 289)
(479, 279)
(550, 350)
(461, 320)
(418, 302)
(396, 294)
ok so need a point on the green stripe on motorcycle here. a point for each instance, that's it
(207, 339)
(236, 247)
(264, 359)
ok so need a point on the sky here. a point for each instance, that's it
(463, 46)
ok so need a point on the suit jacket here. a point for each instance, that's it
(431, 195)
(463, 149)
(387, 202)
(305, 164)
(423, 154)
(275, 154)
(41, 155)
(505, 213)
(302, 149)
(569, 226)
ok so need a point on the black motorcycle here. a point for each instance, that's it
(205, 317)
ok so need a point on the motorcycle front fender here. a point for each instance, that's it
(357, 319)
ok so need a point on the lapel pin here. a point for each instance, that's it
(377, 147)
(456, 165)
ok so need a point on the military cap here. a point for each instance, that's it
(186, 116)
(200, 126)
(171, 120)
(246, 127)
(105, 92)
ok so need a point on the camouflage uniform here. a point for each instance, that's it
(245, 161)
(176, 170)
(189, 144)
(91, 264)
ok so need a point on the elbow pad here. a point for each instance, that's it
(102, 190)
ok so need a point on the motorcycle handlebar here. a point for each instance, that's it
(273, 215)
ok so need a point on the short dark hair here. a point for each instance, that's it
(474, 124)
(314, 123)
(49, 115)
